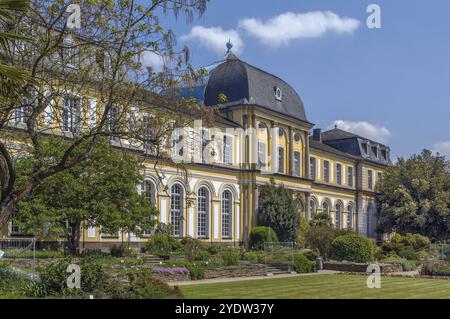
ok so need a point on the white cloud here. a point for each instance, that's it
(373, 132)
(152, 59)
(281, 29)
(443, 148)
(215, 39)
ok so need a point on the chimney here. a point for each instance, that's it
(317, 135)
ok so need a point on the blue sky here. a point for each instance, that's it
(391, 83)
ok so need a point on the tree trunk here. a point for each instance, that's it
(73, 238)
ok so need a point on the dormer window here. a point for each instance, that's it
(375, 151)
(278, 93)
(364, 147)
(384, 154)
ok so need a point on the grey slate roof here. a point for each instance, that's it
(353, 145)
(243, 84)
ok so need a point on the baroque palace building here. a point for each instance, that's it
(334, 172)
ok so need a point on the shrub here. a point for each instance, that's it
(260, 235)
(437, 269)
(302, 264)
(53, 277)
(411, 246)
(311, 254)
(214, 249)
(117, 251)
(231, 256)
(254, 256)
(407, 265)
(93, 276)
(355, 248)
(304, 226)
(320, 238)
(142, 286)
(163, 245)
(196, 272)
(191, 247)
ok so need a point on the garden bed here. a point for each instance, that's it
(360, 267)
(248, 270)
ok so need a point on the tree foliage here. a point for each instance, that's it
(278, 210)
(100, 192)
(106, 62)
(415, 196)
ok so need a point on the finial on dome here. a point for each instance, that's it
(229, 45)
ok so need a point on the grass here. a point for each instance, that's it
(322, 287)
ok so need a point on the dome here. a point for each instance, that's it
(244, 84)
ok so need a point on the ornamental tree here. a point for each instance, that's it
(90, 81)
(414, 196)
(100, 192)
(278, 210)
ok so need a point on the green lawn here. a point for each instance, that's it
(322, 286)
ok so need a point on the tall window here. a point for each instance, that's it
(226, 214)
(350, 217)
(297, 163)
(262, 161)
(70, 114)
(148, 135)
(339, 174)
(227, 153)
(176, 210)
(326, 171)
(312, 167)
(148, 191)
(337, 216)
(202, 212)
(325, 208)
(312, 208)
(370, 179)
(280, 160)
(350, 176)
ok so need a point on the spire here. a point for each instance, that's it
(229, 46)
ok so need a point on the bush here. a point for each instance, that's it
(311, 254)
(304, 226)
(196, 272)
(407, 265)
(142, 286)
(231, 256)
(53, 277)
(302, 264)
(163, 245)
(438, 269)
(93, 277)
(411, 246)
(254, 256)
(354, 248)
(117, 251)
(192, 247)
(260, 235)
(320, 238)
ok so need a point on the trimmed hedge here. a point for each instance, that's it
(260, 235)
(354, 248)
(302, 264)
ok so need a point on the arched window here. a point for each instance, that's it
(176, 210)
(326, 208)
(350, 216)
(226, 213)
(202, 212)
(280, 160)
(148, 190)
(337, 216)
(312, 208)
